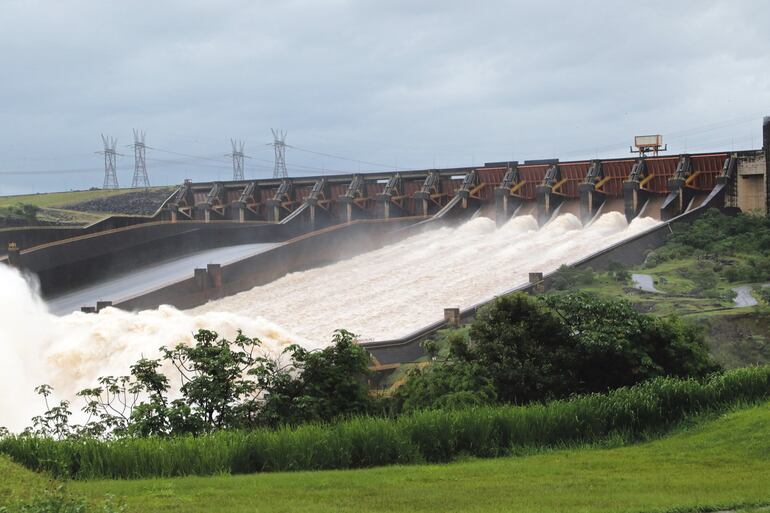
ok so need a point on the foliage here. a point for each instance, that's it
(55, 499)
(613, 345)
(224, 385)
(617, 271)
(715, 236)
(532, 349)
(319, 385)
(763, 293)
(523, 346)
(446, 383)
(431, 435)
(567, 277)
(449, 386)
(19, 212)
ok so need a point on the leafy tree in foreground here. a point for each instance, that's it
(318, 385)
(524, 348)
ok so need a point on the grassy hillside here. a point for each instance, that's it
(64, 207)
(719, 464)
(17, 482)
(736, 336)
(54, 199)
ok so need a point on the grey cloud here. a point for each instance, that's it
(402, 81)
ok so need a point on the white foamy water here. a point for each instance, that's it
(381, 294)
(398, 289)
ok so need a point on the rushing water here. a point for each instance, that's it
(381, 294)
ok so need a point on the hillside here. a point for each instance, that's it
(83, 207)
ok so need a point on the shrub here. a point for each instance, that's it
(567, 277)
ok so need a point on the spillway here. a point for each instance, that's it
(151, 277)
(393, 291)
(381, 294)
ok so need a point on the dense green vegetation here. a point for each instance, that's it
(426, 436)
(55, 199)
(695, 272)
(734, 248)
(708, 465)
(712, 466)
(18, 214)
(522, 348)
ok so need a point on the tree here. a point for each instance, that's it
(223, 385)
(452, 384)
(318, 385)
(216, 387)
(523, 347)
(613, 345)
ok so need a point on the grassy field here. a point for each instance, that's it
(718, 464)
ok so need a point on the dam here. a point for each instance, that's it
(382, 255)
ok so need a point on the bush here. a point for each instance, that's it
(533, 349)
(618, 272)
(567, 277)
(424, 436)
(56, 500)
(763, 293)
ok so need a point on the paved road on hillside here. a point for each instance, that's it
(151, 277)
(743, 296)
(644, 282)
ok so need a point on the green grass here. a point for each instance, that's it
(718, 464)
(17, 482)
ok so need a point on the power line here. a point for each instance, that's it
(199, 157)
(340, 157)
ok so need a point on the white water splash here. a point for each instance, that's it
(381, 294)
(398, 289)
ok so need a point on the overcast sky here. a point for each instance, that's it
(398, 83)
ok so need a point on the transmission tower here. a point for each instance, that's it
(110, 162)
(237, 156)
(279, 145)
(140, 168)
